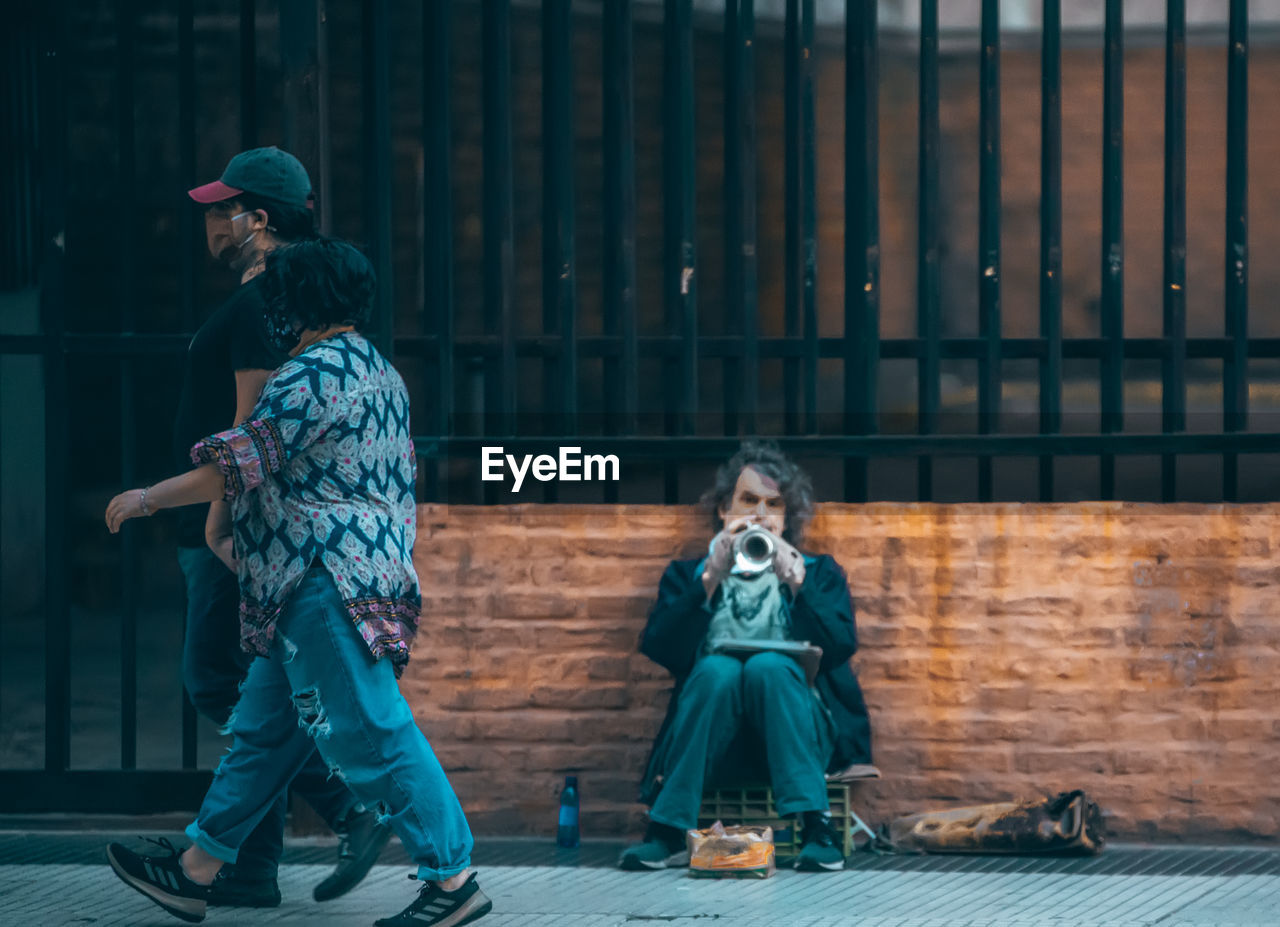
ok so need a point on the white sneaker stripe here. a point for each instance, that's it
(161, 877)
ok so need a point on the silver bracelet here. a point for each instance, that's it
(142, 501)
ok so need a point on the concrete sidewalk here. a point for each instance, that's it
(51, 880)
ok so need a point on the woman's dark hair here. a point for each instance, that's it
(767, 459)
(319, 282)
(286, 223)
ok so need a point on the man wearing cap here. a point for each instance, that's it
(262, 201)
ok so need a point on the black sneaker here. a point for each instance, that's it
(663, 847)
(434, 907)
(161, 879)
(362, 840)
(232, 889)
(821, 850)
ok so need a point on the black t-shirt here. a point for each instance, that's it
(233, 338)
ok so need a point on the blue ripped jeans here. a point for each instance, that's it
(213, 668)
(321, 688)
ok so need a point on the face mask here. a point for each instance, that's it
(250, 236)
(280, 331)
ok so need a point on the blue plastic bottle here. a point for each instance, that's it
(567, 834)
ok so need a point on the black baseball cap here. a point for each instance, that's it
(266, 172)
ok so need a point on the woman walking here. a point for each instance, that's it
(321, 485)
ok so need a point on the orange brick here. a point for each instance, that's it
(1006, 651)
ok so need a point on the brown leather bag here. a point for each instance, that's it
(1068, 823)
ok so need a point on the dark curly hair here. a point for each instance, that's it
(319, 282)
(767, 459)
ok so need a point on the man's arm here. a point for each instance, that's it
(822, 612)
(217, 526)
(678, 621)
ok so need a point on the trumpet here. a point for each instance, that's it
(753, 550)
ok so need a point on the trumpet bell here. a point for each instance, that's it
(753, 550)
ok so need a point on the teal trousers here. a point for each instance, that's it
(761, 703)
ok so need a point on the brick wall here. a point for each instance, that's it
(1007, 650)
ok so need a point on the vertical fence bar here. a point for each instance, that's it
(300, 81)
(1235, 370)
(809, 213)
(559, 270)
(126, 286)
(26, 218)
(800, 320)
(989, 328)
(929, 245)
(323, 183)
(1112, 366)
(619, 273)
(188, 217)
(741, 376)
(793, 262)
(20, 47)
(731, 232)
(680, 233)
(1050, 235)
(12, 161)
(499, 231)
(437, 215)
(248, 74)
(1173, 391)
(747, 213)
(17, 221)
(52, 132)
(862, 237)
(376, 49)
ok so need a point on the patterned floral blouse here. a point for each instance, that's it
(324, 470)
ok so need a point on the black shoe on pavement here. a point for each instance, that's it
(362, 841)
(434, 907)
(820, 850)
(161, 879)
(231, 889)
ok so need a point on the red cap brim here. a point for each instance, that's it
(214, 192)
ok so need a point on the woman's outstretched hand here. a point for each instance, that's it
(123, 507)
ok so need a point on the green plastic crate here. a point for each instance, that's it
(754, 805)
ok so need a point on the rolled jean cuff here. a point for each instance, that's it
(427, 874)
(209, 845)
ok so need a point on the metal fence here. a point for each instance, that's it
(665, 426)
(856, 437)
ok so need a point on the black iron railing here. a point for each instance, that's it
(666, 423)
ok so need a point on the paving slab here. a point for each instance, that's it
(1126, 887)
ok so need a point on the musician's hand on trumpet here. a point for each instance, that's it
(788, 563)
(720, 559)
